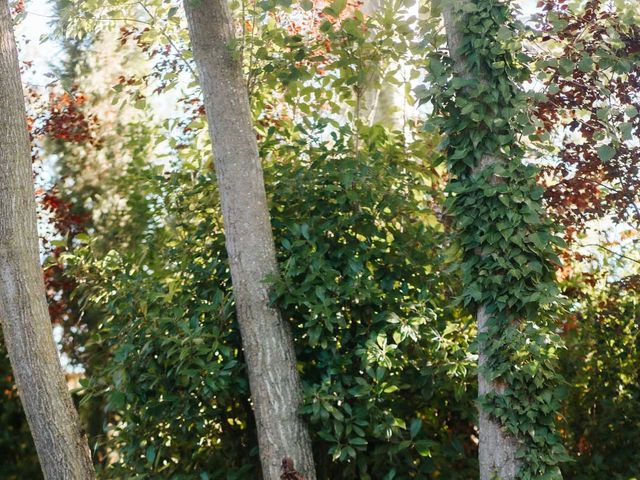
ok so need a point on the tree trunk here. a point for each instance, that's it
(266, 337)
(497, 448)
(61, 445)
(382, 100)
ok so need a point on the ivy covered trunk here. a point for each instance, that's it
(266, 337)
(62, 447)
(506, 243)
(497, 448)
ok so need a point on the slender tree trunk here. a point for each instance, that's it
(497, 449)
(382, 105)
(61, 445)
(266, 337)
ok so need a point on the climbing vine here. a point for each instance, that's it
(506, 244)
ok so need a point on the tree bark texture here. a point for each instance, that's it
(61, 445)
(497, 448)
(266, 337)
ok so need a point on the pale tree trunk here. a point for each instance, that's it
(266, 337)
(497, 448)
(61, 445)
(381, 105)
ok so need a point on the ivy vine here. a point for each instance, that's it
(506, 243)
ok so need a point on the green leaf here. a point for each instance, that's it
(504, 34)
(151, 453)
(585, 64)
(82, 238)
(304, 230)
(606, 152)
(423, 447)
(626, 129)
(415, 427)
(391, 475)
(566, 66)
(338, 6)
(326, 26)
(358, 441)
(603, 113)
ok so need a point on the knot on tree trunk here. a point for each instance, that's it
(288, 471)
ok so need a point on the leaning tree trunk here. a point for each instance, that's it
(61, 445)
(266, 337)
(497, 448)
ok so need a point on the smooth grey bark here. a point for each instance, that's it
(266, 337)
(382, 104)
(496, 449)
(61, 445)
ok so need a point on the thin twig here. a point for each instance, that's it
(621, 255)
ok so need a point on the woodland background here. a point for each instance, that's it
(135, 264)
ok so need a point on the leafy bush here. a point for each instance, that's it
(18, 457)
(602, 413)
(384, 363)
(380, 356)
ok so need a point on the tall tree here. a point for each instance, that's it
(62, 447)
(497, 448)
(266, 337)
(506, 243)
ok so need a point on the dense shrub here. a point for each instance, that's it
(602, 413)
(18, 458)
(384, 364)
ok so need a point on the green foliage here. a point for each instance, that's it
(327, 58)
(159, 298)
(18, 457)
(506, 244)
(377, 345)
(602, 413)
(383, 359)
(174, 384)
(385, 350)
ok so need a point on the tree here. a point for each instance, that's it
(266, 337)
(506, 244)
(383, 101)
(497, 448)
(378, 388)
(590, 108)
(62, 447)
